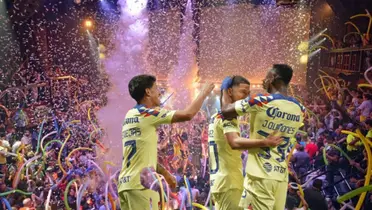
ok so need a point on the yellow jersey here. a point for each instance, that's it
(270, 113)
(225, 164)
(3, 156)
(350, 138)
(140, 143)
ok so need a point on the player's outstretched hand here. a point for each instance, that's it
(272, 140)
(171, 180)
(207, 88)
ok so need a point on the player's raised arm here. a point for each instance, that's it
(189, 112)
(241, 107)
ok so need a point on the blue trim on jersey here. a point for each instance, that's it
(260, 99)
(142, 109)
(288, 98)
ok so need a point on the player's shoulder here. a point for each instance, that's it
(215, 118)
(272, 97)
(144, 111)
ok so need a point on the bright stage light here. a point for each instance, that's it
(88, 24)
(303, 46)
(304, 59)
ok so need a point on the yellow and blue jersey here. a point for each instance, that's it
(225, 163)
(270, 113)
(140, 143)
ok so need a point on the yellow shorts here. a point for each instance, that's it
(139, 199)
(227, 200)
(263, 194)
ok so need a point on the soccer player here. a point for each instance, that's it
(226, 176)
(140, 140)
(266, 182)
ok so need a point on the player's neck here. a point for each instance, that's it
(280, 90)
(147, 103)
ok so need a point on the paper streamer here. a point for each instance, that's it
(336, 147)
(113, 206)
(102, 173)
(354, 193)
(90, 119)
(80, 194)
(364, 85)
(46, 136)
(209, 197)
(368, 15)
(366, 75)
(187, 184)
(7, 204)
(66, 194)
(74, 150)
(333, 42)
(106, 197)
(369, 169)
(48, 199)
(364, 140)
(51, 142)
(15, 191)
(60, 152)
(39, 136)
(199, 206)
(19, 171)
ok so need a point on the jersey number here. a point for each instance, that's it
(131, 143)
(215, 154)
(281, 148)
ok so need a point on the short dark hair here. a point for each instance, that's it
(284, 72)
(318, 183)
(301, 148)
(137, 86)
(237, 80)
(368, 96)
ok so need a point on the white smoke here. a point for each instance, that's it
(128, 60)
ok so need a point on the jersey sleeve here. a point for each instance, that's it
(250, 104)
(161, 116)
(230, 126)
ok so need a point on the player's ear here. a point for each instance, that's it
(147, 92)
(229, 91)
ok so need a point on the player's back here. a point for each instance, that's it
(140, 144)
(225, 164)
(270, 113)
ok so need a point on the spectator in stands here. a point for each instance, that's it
(26, 139)
(27, 204)
(314, 196)
(321, 129)
(183, 195)
(311, 148)
(301, 161)
(332, 156)
(294, 198)
(368, 125)
(338, 135)
(195, 192)
(365, 108)
(353, 143)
